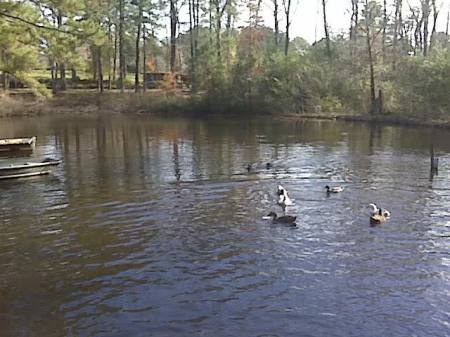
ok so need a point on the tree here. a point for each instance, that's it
(325, 28)
(426, 10)
(370, 16)
(397, 30)
(435, 17)
(276, 23)
(122, 64)
(287, 13)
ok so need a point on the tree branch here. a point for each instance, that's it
(36, 25)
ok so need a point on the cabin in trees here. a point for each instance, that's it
(154, 80)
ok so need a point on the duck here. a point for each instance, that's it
(335, 189)
(283, 198)
(379, 215)
(284, 219)
(380, 211)
(376, 219)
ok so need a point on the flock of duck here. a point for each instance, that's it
(377, 215)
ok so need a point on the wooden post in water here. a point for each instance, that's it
(434, 162)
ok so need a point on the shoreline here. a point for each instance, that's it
(379, 120)
(173, 104)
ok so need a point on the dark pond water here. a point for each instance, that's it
(154, 228)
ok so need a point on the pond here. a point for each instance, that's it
(154, 227)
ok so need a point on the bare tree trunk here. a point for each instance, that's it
(275, 18)
(385, 23)
(94, 52)
(354, 19)
(368, 16)
(137, 49)
(100, 69)
(325, 28)
(121, 46)
(114, 72)
(192, 38)
(228, 35)
(425, 18)
(287, 12)
(417, 31)
(109, 55)
(62, 68)
(210, 22)
(398, 9)
(196, 24)
(218, 29)
(144, 59)
(173, 34)
(435, 17)
(354, 26)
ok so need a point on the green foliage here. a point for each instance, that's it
(236, 70)
(19, 50)
(425, 84)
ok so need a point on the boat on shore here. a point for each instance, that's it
(17, 145)
(28, 169)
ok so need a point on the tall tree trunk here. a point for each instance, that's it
(121, 47)
(137, 50)
(287, 12)
(114, 72)
(62, 66)
(435, 17)
(173, 34)
(196, 24)
(354, 20)
(417, 31)
(276, 23)
(99, 69)
(191, 4)
(368, 16)
(425, 18)
(354, 26)
(109, 55)
(325, 28)
(144, 59)
(397, 27)
(228, 36)
(383, 35)
(210, 22)
(218, 31)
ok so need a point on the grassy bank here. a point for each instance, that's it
(91, 102)
(175, 103)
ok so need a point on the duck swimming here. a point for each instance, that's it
(380, 211)
(378, 215)
(336, 189)
(283, 198)
(285, 219)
